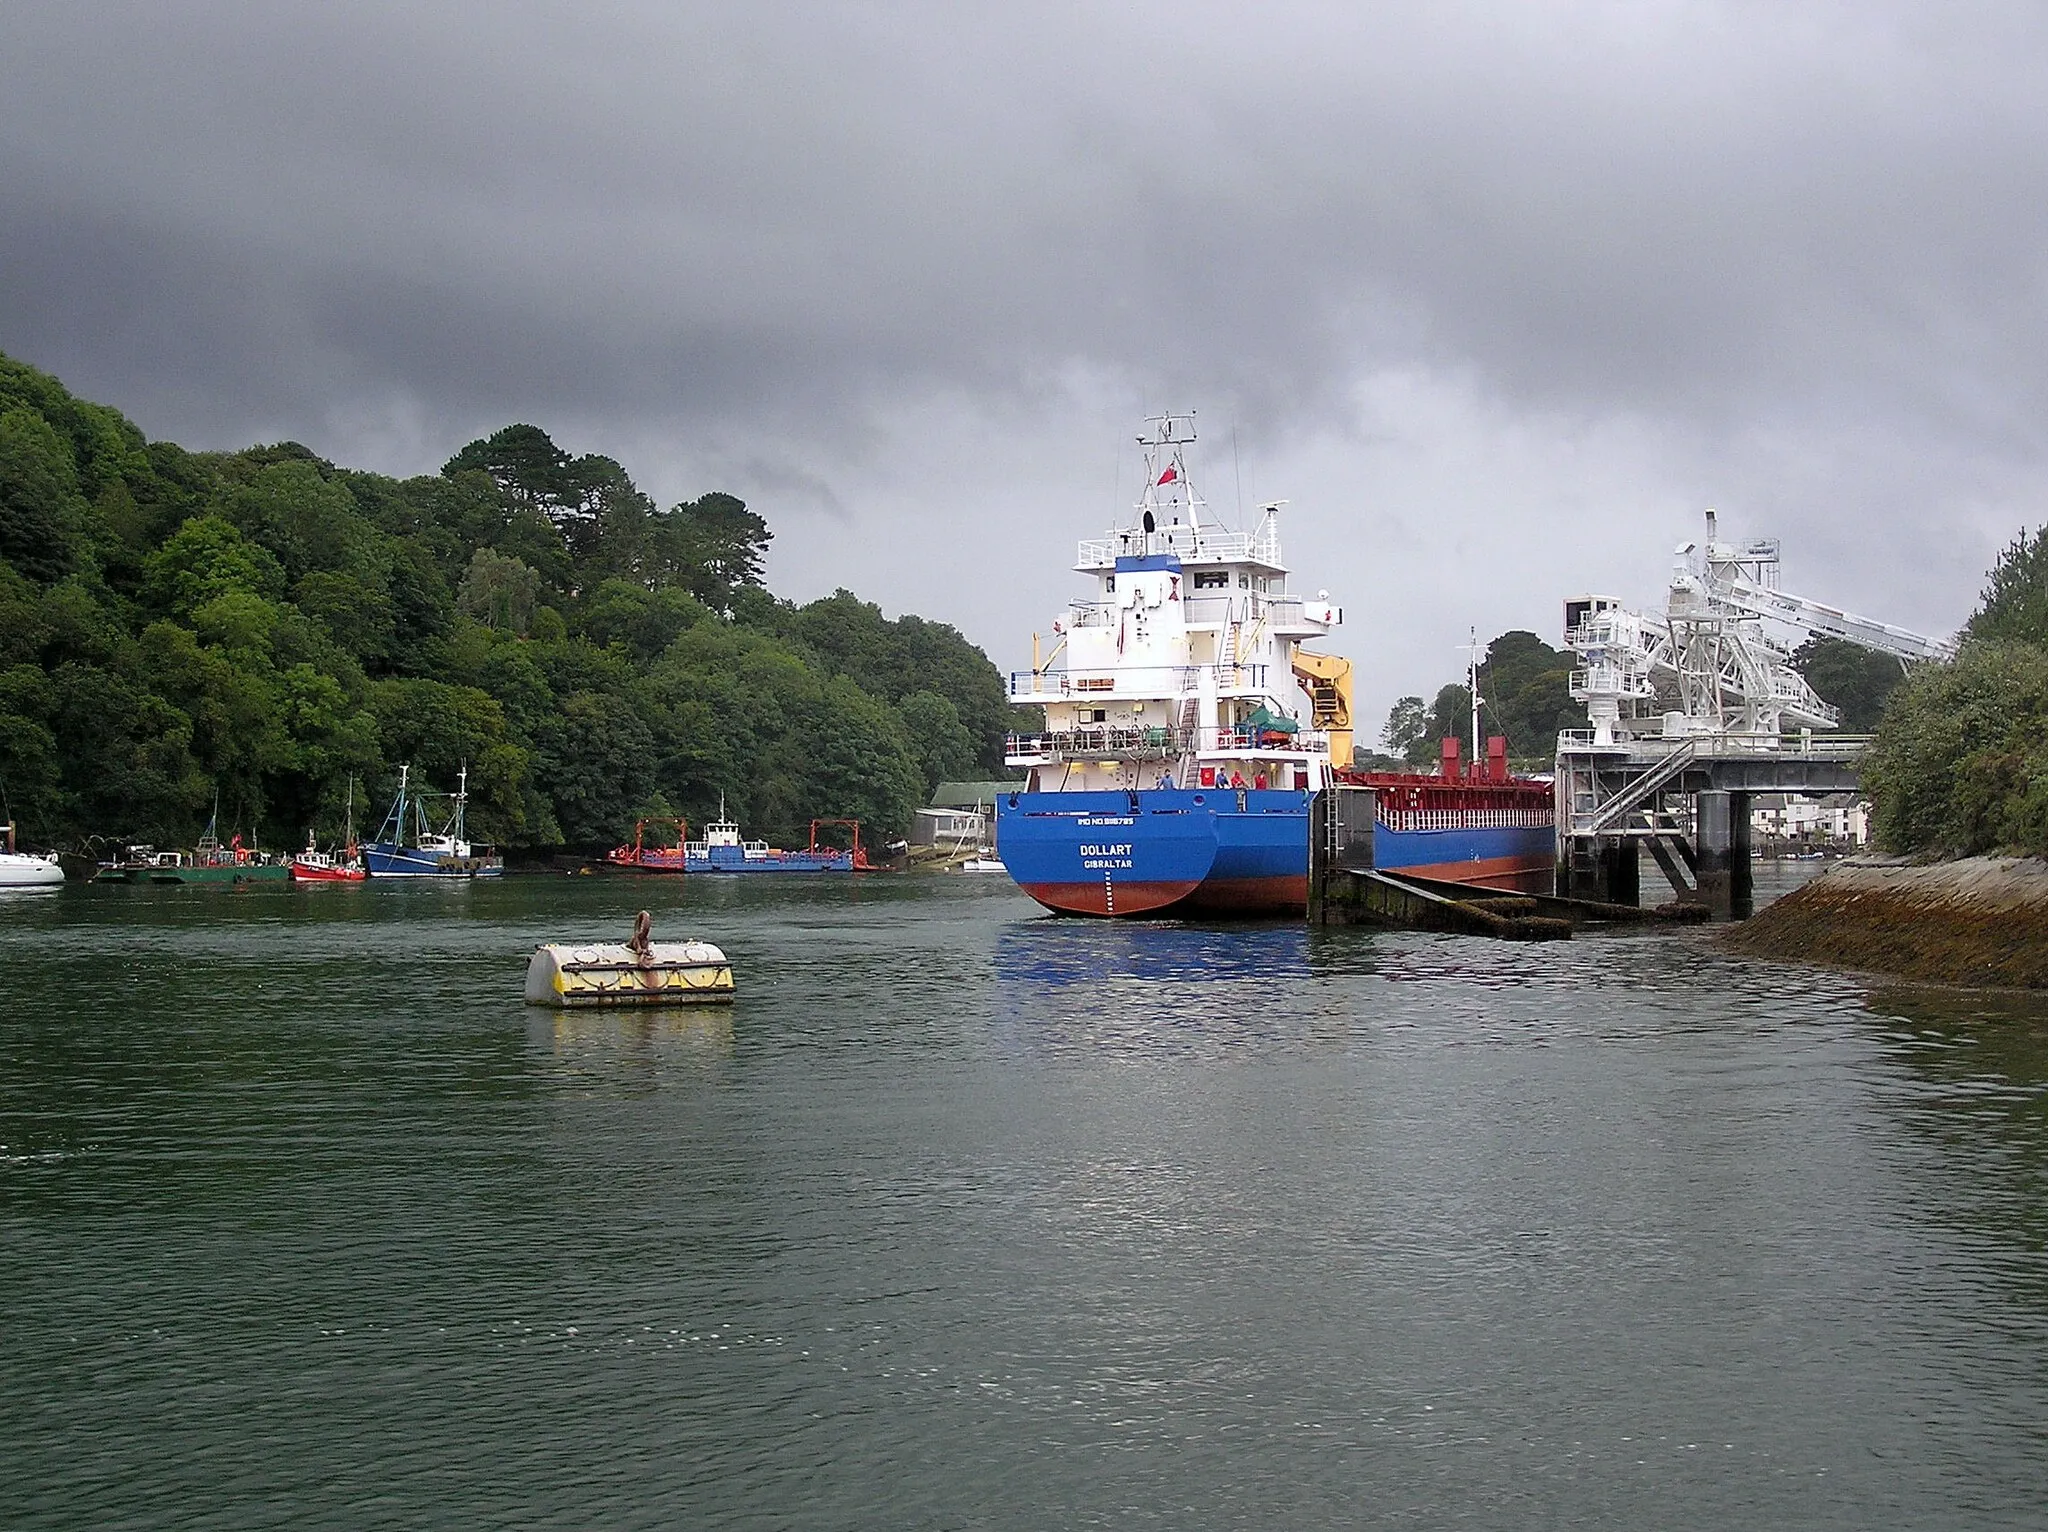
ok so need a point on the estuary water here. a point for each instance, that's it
(964, 1216)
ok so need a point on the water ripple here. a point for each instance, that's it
(965, 1216)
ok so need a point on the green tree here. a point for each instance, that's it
(525, 464)
(1855, 679)
(642, 622)
(595, 762)
(499, 591)
(1959, 765)
(205, 558)
(39, 500)
(856, 762)
(2015, 601)
(1407, 724)
(939, 743)
(1525, 696)
(713, 546)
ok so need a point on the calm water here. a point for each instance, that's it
(964, 1217)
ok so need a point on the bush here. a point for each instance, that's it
(1959, 766)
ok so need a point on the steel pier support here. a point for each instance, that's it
(1726, 878)
(1600, 868)
(1741, 866)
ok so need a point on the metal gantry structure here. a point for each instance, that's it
(1698, 701)
(1710, 664)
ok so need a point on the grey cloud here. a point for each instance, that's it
(1802, 244)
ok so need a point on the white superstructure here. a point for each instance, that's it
(1182, 667)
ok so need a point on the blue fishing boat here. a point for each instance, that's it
(412, 845)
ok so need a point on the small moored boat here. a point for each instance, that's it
(346, 866)
(411, 845)
(21, 869)
(211, 862)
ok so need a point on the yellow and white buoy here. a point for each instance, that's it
(638, 972)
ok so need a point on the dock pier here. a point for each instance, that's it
(1687, 802)
(1346, 887)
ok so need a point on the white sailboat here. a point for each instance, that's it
(20, 869)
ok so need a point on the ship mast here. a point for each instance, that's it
(1166, 467)
(1472, 676)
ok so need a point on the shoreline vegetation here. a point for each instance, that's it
(263, 628)
(1957, 776)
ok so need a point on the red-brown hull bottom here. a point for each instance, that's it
(1512, 874)
(1104, 898)
(1287, 895)
(1212, 896)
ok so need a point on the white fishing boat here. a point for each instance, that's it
(22, 869)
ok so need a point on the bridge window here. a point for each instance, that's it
(1212, 579)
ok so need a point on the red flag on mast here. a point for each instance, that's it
(1168, 477)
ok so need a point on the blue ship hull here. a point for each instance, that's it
(382, 860)
(733, 859)
(1166, 849)
(1522, 858)
(1220, 851)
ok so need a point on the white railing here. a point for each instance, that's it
(1206, 543)
(1395, 817)
(1831, 747)
(1105, 743)
(1166, 682)
(1092, 614)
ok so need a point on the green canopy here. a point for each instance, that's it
(1266, 721)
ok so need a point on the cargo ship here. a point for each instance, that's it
(1187, 728)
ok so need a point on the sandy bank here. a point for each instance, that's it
(1982, 920)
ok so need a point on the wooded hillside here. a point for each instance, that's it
(266, 626)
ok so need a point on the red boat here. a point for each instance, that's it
(641, 857)
(316, 866)
(311, 866)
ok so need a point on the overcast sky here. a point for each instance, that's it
(1498, 297)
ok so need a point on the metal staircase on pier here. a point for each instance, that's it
(1606, 818)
